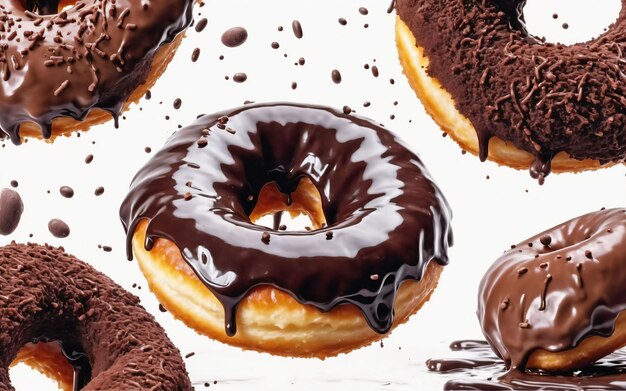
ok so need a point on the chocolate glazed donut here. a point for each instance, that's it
(544, 98)
(46, 294)
(385, 217)
(553, 302)
(92, 55)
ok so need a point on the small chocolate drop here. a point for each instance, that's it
(336, 76)
(11, 208)
(66, 191)
(58, 228)
(297, 29)
(234, 37)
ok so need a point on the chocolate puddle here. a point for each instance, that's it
(474, 366)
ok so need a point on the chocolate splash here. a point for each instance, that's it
(551, 296)
(386, 216)
(543, 98)
(475, 367)
(92, 55)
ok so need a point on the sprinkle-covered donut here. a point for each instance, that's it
(508, 96)
(556, 301)
(379, 239)
(60, 61)
(114, 344)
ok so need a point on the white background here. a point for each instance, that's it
(489, 214)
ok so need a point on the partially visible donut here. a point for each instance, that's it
(48, 295)
(505, 95)
(379, 238)
(556, 301)
(65, 67)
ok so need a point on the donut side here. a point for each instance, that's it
(268, 319)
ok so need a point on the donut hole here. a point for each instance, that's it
(50, 365)
(300, 210)
(570, 21)
(48, 7)
(24, 377)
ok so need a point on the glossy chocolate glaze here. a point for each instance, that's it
(475, 367)
(556, 288)
(543, 98)
(92, 55)
(386, 216)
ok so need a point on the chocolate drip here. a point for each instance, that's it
(386, 216)
(93, 55)
(482, 370)
(543, 98)
(548, 305)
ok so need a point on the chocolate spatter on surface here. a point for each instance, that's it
(11, 209)
(66, 191)
(58, 228)
(99, 191)
(63, 299)
(234, 37)
(335, 75)
(558, 293)
(542, 97)
(297, 29)
(475, 367)
(363, 11)
(92, 55)
(394, 222)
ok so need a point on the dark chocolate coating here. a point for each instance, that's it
(556, 288)
(46, 294)
(542, 97)
(386, 215)
(94, 55)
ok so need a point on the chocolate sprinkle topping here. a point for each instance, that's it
(48, 295)
(107, 46)
(542, 97)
